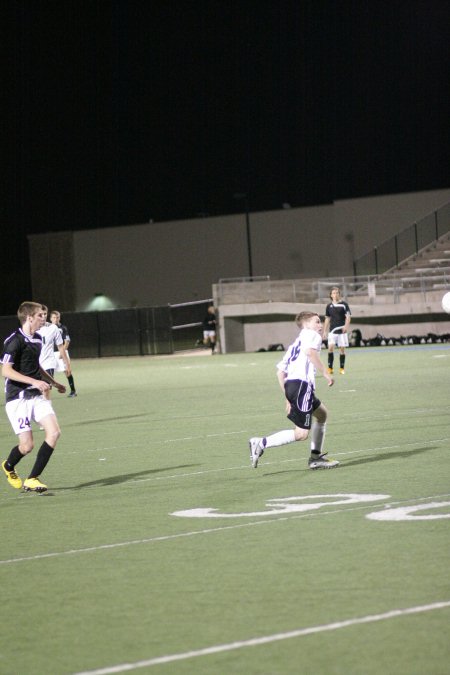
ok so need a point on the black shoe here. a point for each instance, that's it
(72, 394)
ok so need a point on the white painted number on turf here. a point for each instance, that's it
(410, 512)
(285, 505)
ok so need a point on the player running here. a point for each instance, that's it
(296, 376)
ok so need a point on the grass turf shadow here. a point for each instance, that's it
(123, 478)
(361, 460)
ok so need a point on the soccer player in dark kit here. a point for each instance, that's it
(25, 386)
(337, 321)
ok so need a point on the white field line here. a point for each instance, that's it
(241, 467)
(211, 530)
(265, 463)
(202, 437)
(245, 467)
(268, 639)
(182, 439)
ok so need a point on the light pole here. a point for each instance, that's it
(244, 196)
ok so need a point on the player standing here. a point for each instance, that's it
(51, 339)
(25, 385)
(337, 322)
(55, 318)
(209, 329)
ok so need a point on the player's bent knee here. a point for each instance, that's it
(52, 436)
(321, 414)
(301, 434)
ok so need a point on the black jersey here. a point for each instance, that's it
(64, 332)
(22, 352)
(337, 312)
(209, 322)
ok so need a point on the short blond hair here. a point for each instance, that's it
(27, 309)
(304, 316)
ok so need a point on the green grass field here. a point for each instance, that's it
(291, 573)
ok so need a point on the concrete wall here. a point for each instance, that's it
(158, 263)
(251, 327)
(153, 264)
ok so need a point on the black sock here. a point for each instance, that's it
(44, 454)
(71, 383)
(14, 458)
(342, 360)
(330, 359)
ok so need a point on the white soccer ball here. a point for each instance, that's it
(446, 303)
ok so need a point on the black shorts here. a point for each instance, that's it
(303, 400)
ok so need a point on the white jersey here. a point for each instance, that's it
(51, 336)
(295, 362)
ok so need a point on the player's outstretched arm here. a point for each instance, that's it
(51, 380)
(65, 358)
(9, 373)
(281, 377)
(313, 356)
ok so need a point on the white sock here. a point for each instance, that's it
(279, 438)
(317, 436)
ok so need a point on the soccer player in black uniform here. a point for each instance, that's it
(25, 385)
(209, 329)
(337, 321)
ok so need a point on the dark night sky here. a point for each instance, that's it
(115, 112)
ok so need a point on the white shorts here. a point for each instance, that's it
(22, 411)
(338, 339)
(209, 333)
(48, 363)
(60, 365)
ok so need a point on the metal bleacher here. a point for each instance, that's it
(426, 272)
(415, 260)
(432, 261)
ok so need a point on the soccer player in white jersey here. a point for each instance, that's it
(51, 337)
(296, 376)
(55, 317)
(335, 330)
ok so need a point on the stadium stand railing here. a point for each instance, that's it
(388, 289)
(187, 320)
(388, 256)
